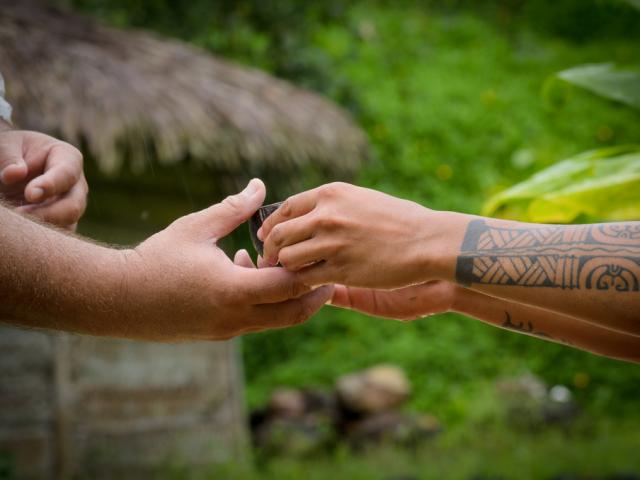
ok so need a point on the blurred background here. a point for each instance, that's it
(447, 103)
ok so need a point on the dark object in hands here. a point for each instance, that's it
(255, 222)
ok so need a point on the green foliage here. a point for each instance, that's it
(608, 81)
(602, 185)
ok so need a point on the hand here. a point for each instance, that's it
(42, 176)
(408, 303)
(340, 233)
(182, 281)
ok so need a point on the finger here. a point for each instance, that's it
(270, 285)
(361, 299)
(64, 211)
(222, 218)
(262, 263)
(320, 273)
(293, 207)
(242, 259)
(13, 168)
(291, 312)
(63, 170)
(341, 297)
(301, 255)
(287, 233)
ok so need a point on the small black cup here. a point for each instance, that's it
(255, 222)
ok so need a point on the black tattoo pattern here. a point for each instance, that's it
(601, 257)
(528, 328)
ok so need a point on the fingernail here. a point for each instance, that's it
(36, 194)
(252, 188)
(259, 234)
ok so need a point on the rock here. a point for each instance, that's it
(559, 408)
(527, 386)
(528, 404)
(287, 402)
(393, 427)
(378, 389)
(292, 436)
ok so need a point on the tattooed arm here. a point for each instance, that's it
(591, 272)
(343, 234)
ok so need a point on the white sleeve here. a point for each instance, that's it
(5, 108)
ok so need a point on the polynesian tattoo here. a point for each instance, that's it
(528, 328)
(602, 257)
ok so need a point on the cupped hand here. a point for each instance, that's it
(408, 303)
(43, 177)
(340, 233)
(191, 290)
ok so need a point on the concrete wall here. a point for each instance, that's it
(72, 405)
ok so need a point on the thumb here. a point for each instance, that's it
(223, 218)
(13, 168)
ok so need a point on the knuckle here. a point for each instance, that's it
(329, 222)
(73, 212)
(276, 235)
(333, 189)
(334, 248)
(233, 203)
(47, 184)
(286, 209)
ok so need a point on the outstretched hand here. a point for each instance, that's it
(190, 288)
(43, 177)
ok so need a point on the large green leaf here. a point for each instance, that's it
(600, 185)
(607, 80)
(634, 3)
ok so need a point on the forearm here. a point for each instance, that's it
(52, 280)
(590, 272)
(547, 325)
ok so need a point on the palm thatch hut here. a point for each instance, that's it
(165, 128)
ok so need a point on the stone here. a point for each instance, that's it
(529, 404)
(287, 402)
(393, 428)
(378, 389)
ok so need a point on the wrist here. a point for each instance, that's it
(441, 236)
(104, 308)
(461, 299)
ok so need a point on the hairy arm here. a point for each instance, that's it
(590, 272)
(176, 285)
(52, 280)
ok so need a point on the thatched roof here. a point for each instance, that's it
(130, 91)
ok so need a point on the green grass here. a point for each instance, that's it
(483, 452)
